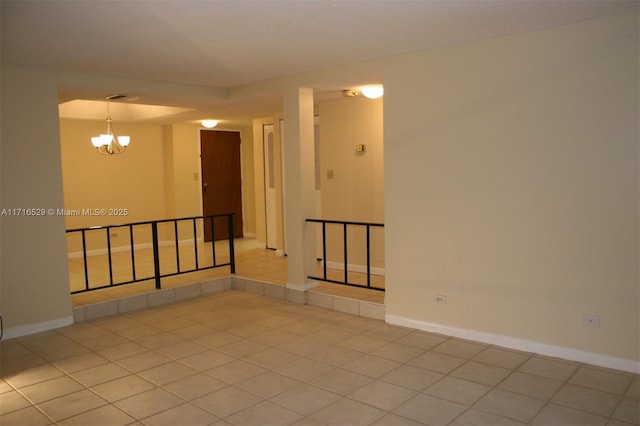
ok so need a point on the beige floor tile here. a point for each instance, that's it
(382, 395)
(362, 343)
(161, 340)
(586, 399)
(25, 375)
(12, 401)
(301, 346)
(217, 339)
(122, 388)
(268, 384)
(182, 350)
(437, 362)
(100, 374)
(167, 373)
(397, 352)
(51, 389)
(480, 418)
(508, 404)
(4, 387)
(634, 388)
(457, 390)
(304, 369)
(412, 377)
(481, 373)
(347, 412)
(341, 381)
(502, 358)
(371, 366)
(421, 340)
(271, 358)
(227, 401)
(148, 403)
(530, 385)
(122, 351)
(602, 380)
(185, 414)
(105, 415)
(564, 416)
(274, 337)
(331, 335)
(207, 360)
(27, 416)
(71, 405)
(549, 368)
(305, 399)
(429, 410)
(394, 420)
(144, 361)
(235, 371)
(195, 386)
(242, 348)
(257, 414)
(628, 410)
(80, 362)
(460, 348)
(335, 355)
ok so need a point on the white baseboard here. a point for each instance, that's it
(355, 268)
(520, 344)
(23, 330)
(120, 249)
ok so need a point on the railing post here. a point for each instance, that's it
(346, 268)
(232, 255)
(156, 253)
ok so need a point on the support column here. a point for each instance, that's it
(299, 186)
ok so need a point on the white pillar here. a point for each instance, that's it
(299, 186)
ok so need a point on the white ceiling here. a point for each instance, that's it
(225, 44)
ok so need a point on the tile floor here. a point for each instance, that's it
(240, 358)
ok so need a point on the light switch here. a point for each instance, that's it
(330, 174)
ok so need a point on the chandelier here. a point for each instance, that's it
(108, 143)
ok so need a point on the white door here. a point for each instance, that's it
(270, 186)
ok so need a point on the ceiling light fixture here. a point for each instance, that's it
(108, 143)
(373, 92)
(209, 124)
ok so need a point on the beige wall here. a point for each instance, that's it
(158, 177)
(512, 187)
(356, 190)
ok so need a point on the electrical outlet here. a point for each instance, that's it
(114, 235)
(591, 320)
(441, 299)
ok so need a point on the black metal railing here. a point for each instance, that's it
(345, 258)
(192, 225)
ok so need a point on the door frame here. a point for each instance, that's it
(242, 189)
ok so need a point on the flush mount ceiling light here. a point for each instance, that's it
(107, 143)
(209, 124)
(373, 92)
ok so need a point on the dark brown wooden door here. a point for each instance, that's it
(221, 182)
